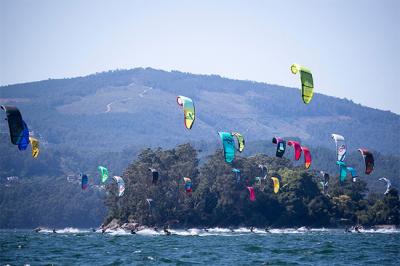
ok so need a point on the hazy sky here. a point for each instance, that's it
(352, 47)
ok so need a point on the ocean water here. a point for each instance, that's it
(218, 246)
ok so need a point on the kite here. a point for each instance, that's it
(353, 172)
(276, 179)
(15, 123)
(296, 147)
(368, 160)
(345, 169)
(307, 157)
(240, 141)
(388, 184)
(121, 185)
(280, 146)
(84, 181)
(237, 174)
(154, 173)
(324, 181)
(35, 147)
(252, 195)
(188, 110)
(228, 145)
(307, 83)
(264, 170)
(103, 173)
(150, 202)
(24, 140)
(188, 184)
(340, 147)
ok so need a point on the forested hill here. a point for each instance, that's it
(108, 118)
(137, 108)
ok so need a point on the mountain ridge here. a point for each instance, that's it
(258, 110)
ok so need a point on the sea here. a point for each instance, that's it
(214, 246)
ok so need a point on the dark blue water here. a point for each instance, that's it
(216, 247)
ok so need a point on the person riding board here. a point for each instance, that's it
(166, 231)
(357, 228)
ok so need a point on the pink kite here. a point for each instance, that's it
(297, 149)
(252, 194)
(307, 157)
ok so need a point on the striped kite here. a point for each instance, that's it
(307, 83)
(188, 110)
(340, 147)
(240, 141)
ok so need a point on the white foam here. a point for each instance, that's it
(67, 230)
(286, 231)
(46, 230)
(379, 231)
(71, 230)
(118, 232)
(219, 230)
(188, 232)
(147, 232)
(242, 230)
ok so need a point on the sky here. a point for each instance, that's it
(352, 47)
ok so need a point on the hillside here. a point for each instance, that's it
(109, 118)
(135, 108)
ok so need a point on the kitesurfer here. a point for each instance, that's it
(155, 228)
(166, 231)
(133, 232)
(267, 229)
(357, 228)
(252, 229)
(103, 231)
(54, 230)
